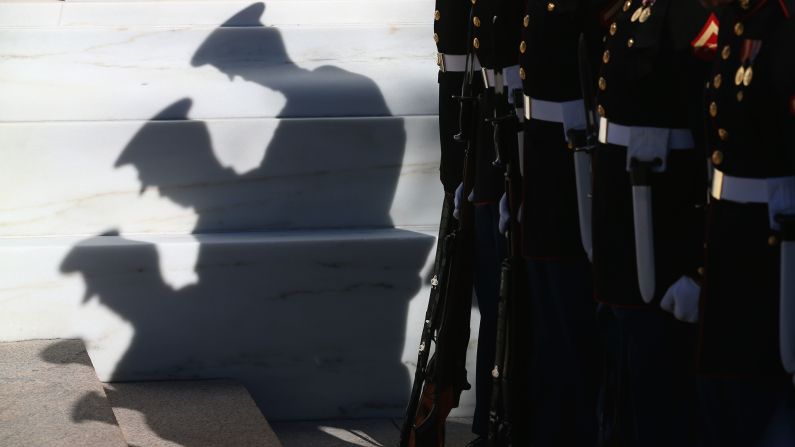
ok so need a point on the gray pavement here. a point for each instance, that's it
(363, 432)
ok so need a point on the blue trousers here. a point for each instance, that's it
(490, 247)
(564, 366)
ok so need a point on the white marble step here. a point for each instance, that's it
(51, 74)
(320, 324)
(50, 396)
(217, 175)
(217, 413)
(106, 13)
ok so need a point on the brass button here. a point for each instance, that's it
(550, 6)
(476, 42)
(701, 271)
(435, 37)
(739, 28)
(725, 52)
(521, 73)
(745, 4)
(602, 83)
(772, 241)
(723, 134)
(716, 81)
(613, 28)
(717, 158)
(476, 21)
(740, 96)
(600, 110)
(627, 5)
(630, 42)
(713, 109)
(606, 56)
(474, 1)
(437, 15)
(522, 47)
(526, 21)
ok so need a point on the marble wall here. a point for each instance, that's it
(230, 189)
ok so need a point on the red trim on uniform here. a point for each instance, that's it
(705, 44)
(784, 8)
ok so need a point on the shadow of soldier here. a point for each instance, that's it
(311, 322)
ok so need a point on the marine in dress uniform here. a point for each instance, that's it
(564, 372)
(494, 38)
(750, 110)
(647, 89)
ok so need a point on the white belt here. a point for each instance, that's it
(743, 189)
(612, 133)
(455, 62)
(556, 112)
(491, 77)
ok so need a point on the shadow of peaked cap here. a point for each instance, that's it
(242, 40)
(152, 139)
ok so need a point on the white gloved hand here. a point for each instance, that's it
(459, 192)
(505, 214)
(682, 299)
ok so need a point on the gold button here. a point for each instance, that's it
(717, 158)
(723, 134)
(602, 83)
(550, 6)
(522, 47)
(725, 52)
(716, 81)
(521, 73)
(474, 1)
(526, 21)
(435, 37)
(630, 42)
(606, 56)
(627, 5)
(600, 110)
(476, 42)
(745, 4)
(739, 28)
(437, 15)
(713, 109)
(772, 241)
(701, 271)
(613, 28)
(740, 96)
(476, 21)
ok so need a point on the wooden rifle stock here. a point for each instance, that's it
(438, 382)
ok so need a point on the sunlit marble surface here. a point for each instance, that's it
(196, 207)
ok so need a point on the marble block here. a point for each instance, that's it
(320, 324)
(240, 72)
(218, 175)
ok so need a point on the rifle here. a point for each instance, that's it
(438, 382)
(508, 361)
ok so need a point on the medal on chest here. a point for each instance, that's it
(643, 12)
(745, 72)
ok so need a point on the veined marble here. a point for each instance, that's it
(130, 74)
(218, 175)
(245, 168)
(316, 324)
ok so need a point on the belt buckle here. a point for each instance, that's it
(717, 184)
(440, 62)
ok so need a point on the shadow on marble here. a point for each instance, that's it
(292, 319)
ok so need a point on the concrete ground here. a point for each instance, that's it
(364, 433)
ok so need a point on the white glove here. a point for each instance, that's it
(505, 214)
(458, 196)
(459, 191)
(682, 298)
